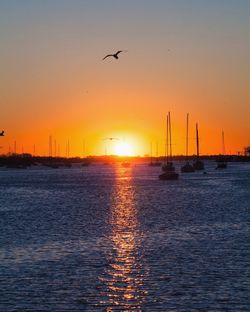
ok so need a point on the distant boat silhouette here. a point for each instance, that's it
(115, 55)
(153, 163)
(187, 167)
(221, 161)
(168, 168)
(2, 133)
(198, 164)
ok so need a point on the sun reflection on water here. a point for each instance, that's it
(124, 276)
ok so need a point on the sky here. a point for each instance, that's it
(182, 56)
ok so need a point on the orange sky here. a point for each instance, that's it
(181, 58)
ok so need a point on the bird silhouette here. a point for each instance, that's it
(114, 55)
(2, 133)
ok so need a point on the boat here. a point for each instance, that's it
(187, 167)
(154, 163)
(168, 167)
(221, 160)
(221, 163)
(169, 172)
(198, 164)
(85, 160)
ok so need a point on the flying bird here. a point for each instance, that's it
(114, 55)
(2, 133)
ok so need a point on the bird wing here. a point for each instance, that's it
(107, 56)
(121, 51)
(118, 52)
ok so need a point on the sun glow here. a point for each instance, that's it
(123, 149)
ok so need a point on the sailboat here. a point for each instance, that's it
(168, 167)
(221, 161)
(198, 164)
(187, 167)
(85, 160)
(153, 163)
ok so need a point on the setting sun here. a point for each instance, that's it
(123, 149)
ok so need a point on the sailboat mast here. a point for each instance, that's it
(166, 149)
(151, 153)
(170, 141)
(84, 149)
(187, 140)
(197, 139)
(223, 143)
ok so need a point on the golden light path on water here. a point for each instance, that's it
(124, 277)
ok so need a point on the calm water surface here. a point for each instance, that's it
(106, 238)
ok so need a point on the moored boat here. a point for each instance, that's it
(221, 160)
(168, 167)
(187, 167)
(198, 164)
(154, 162)
(168, 172)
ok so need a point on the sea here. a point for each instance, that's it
(109, 238)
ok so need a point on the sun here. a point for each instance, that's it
(123, 149)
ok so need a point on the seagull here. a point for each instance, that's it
(2, 133)
(114, 55)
